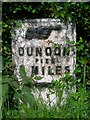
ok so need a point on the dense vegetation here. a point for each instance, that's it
(77, 105)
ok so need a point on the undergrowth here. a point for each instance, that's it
(23, 104)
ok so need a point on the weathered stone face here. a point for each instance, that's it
(44, 47)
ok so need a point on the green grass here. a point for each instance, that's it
(77, 106)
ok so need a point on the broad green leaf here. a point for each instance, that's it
(17, 96)
(15, 84)
(22, 71)
(14, 77)
(5, 88)
(38, 77)
(26, 90)
(27, 79)
(6, 80)
(29, 98)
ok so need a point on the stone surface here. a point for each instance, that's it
(40, 45)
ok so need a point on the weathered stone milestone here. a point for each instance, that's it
(44, 47)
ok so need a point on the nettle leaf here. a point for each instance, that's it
(15, 84)
(14, 77)
(27, 95)
(38, 77)
(26, 90)
(17, 95)
(5, 88)
(29, 98)
(27, 79)
(6, 79)
(22, 71)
